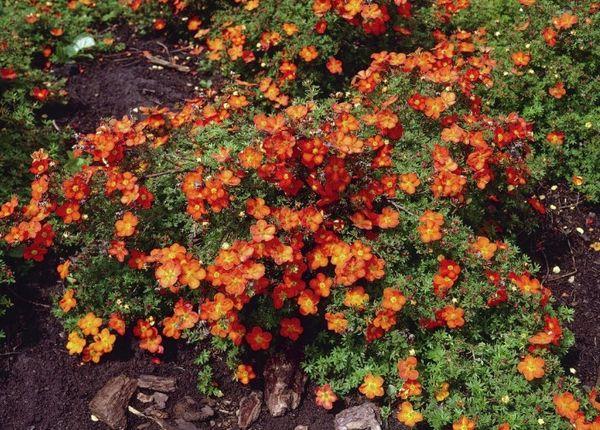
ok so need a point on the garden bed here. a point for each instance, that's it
(379, 248)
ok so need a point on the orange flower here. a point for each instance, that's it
(408, 416)
(531, 367)
(321, 284)
(89, 324)
(117, 249)
(393, 299)
(290, 28)
(526, 284)
(258, 339)
(244, 373)
(63, 269)
(384, 320)
(167, 274)
(409, 183)
(389, 218)
(566, 406)
(103, 341)
(407, 369)
(308, 301)
(484, 247)
(325, 397)
(117, 323)
(126, 226)
(453, 316)
(463, 423)
(262, 231)
(558, 90)
(68, 302)
(336, 322)
(564, 21)
(334, 66)
(356, 298)
(69, 212)
(8, 208)
(521, 59)
(75, 344)
(372, 386)
(309, 53)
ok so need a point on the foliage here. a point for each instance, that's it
(353, 225)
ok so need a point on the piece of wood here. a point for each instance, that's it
(110, 403)
(157, 383)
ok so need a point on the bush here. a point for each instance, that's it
(352, 226)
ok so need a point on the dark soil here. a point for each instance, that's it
(115, 84)
(43, 388)
(570, 267)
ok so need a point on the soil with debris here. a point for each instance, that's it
(43, 388)
(116, 84)
(570, 266)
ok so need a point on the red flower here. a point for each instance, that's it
(258, 339)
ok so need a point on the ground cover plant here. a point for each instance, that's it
(333, 198)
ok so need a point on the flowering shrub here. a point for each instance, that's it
(284, 46)
(335, 225)
(349, 225)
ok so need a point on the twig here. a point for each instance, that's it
(166, 172)
(166, 50)
(31, 302)
(5, 354)
(162, 62)
(402, 208)
(556, 278)
(161, 423)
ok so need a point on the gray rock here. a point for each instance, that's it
(188, 409)
(284, 385)
(363, 417)
(249, 409)
(110, 403)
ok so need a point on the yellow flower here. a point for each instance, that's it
(75, 344)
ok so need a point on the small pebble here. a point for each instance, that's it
(556, 269)
(94, 418)
(553, 207)
(571, 279)
(553, 187)
(579, 230)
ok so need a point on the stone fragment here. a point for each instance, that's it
(363, 417)
(110, 402)
(249, 409)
